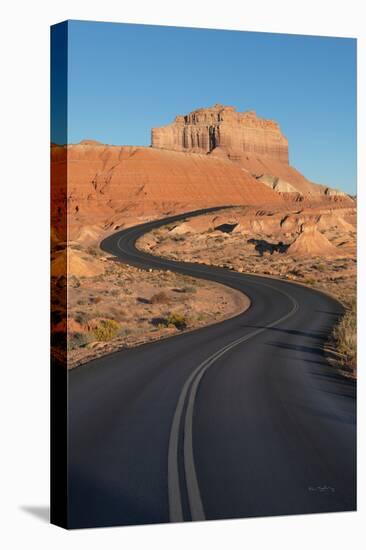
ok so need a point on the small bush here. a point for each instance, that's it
(296, 272)
(106, 330)
(344, 337)
(178, 320)
(190, 289)
(178, 238)
(73, 281)
(76, 340)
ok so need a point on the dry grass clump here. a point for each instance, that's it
(106, 330)
(76, 340)
(344, 338)
(177, 320)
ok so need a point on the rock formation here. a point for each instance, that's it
(311, 242)
(256, 144)
(204, 130)
(210, 157)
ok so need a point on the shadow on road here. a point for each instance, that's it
(318, 335)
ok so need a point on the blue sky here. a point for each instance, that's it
(124, 79)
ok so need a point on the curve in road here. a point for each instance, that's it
(239, 419)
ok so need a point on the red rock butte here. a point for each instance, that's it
(256, 144)
(210, 157)
(204, 130)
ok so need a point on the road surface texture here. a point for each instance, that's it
(239, 419)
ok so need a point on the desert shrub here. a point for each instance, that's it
(296, 272)
(159, 298)
(178, 238)
(159, 322)
(189, 289)
(73, 281)
(344, 337)
(178, 320)
(106, 330)
(76, 340)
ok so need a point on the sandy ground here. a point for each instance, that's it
(265, 251)
(112, 306)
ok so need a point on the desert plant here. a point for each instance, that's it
(177, 320)
(190, 289)
(106, 330)
(178, 238)
(296, 272)
(344, 337)
(76, 340)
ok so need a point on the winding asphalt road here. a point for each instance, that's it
(239, 419)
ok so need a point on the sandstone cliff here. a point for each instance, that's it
(211, 157)
(204, 130)
(256, 144)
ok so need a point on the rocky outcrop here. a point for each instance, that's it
(278, 184)
(311, 242)
(220, 126)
